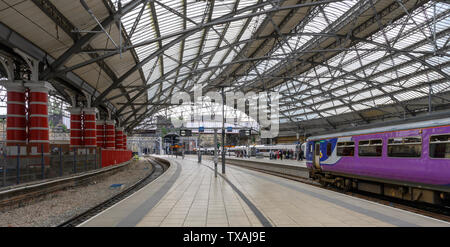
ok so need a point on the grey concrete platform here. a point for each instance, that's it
(189, 194)
(278, 162)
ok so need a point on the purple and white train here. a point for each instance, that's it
(407, 161)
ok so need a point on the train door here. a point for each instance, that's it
(317, 155)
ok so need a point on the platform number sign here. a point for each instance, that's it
(229, 129)
(201, 129)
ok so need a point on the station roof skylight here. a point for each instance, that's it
(329, 60)
(406, 58)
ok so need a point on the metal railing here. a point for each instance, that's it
(18, 169)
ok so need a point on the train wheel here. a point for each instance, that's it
(323, 183)
(347, 185)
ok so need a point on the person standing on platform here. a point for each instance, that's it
(301, 153)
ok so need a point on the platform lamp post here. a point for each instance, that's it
(199, 154)
(223, 131)
(215, 152)
(249, 150)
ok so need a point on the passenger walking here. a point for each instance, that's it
(301, 153)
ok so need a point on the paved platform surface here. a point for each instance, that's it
(280, 162)
(265, 160)
(188, 194)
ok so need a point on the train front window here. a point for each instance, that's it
(370, 148)
(329, 149)
(440, 146)
(407, 147)
(345, 148)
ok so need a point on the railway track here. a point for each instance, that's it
(158, 169)
(28, 193)
(437, 212)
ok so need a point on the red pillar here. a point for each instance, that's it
(16, 122)
(119, 133)
(38, 136)
(100, 133)
(124, 145)
(89, 128)
(110, 134)
(75, 128)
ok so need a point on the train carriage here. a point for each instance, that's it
(407, 161)
(264, 150)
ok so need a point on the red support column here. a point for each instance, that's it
(75, 128)
(110, 134)
(16, 122)
(100, 133)
(124, 145)
(119, 133)
(38, 136)
(89, 128)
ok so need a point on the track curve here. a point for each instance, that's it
(158, 169)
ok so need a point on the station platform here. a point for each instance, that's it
(287, 162)
(188, 194)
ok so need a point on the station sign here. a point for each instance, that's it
(243, 133)
(201, 129)
(185, 132)
(229, 129)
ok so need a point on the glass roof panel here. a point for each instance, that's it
(397, 59)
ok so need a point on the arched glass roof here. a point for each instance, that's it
(333, 62)
(406, 58)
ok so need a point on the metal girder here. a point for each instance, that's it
(382, 96)
(256, 34)
(367, 78)
(51, 11)
(283, 72)
(113, 52)
(223, 19)
(137, 66)
(138, 18)
(340, 119)
(341, 38)
(132, 51)
(84, 40)
(184, 64)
